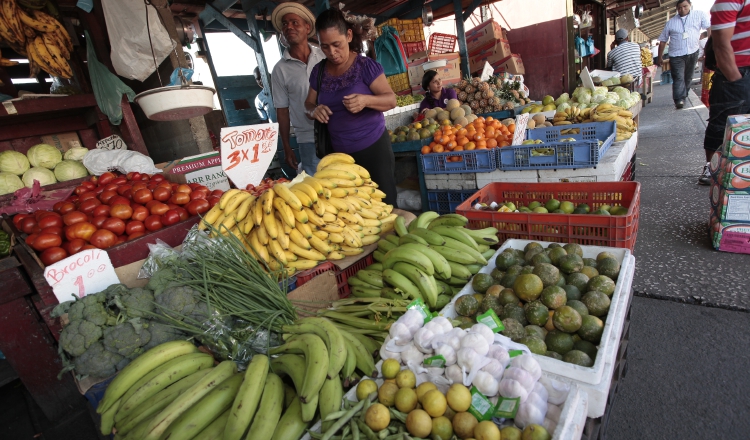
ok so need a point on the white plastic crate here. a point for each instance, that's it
(513, 176)
(459, 181)
(613, 326)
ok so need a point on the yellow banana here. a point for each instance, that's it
(370, 239)
(351, 251)
(339, 204)
(290, 256)
(34, 23)
(346, 183)
(328, 207)
(284, 210)
(302, 197)
(320, 245)
(340, 192)
(277, 252)
(332, 158)
(322, 235)
(332, 228)
(236, 201)
(244, 208)
(301, 216)
(267, 200)
(303, 264)
(328, 217)
(309, 254)
(313, 217)
(378, 194)
(269, 223)
(304, 229)
(352, 168)
(371, 230)
(308, 190)
(257, 247)
(262, 234)
(285, 193)
(315, 184)
(297, 238)
(224, 200)
(336, 237)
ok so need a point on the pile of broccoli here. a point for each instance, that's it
(108, 329)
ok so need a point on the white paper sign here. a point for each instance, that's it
(487, 72)
(520, 134)
(113, 142)
(84, 273)
(247, 152)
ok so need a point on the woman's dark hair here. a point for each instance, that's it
(427, 79)
(334, 18)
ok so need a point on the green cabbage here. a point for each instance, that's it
(563, 98)
(75, 153)
(563, 106)
(13, 162)
(622, 92)
(44, 155)
(9, 183)
(69, 170)
(43, 175)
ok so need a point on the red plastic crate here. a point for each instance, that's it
(412, 48)
(442, 43)
(586, 229)
(342, 276)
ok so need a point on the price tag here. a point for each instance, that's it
(113, 142)
(81, 274)
(247, 152)
(520, 134)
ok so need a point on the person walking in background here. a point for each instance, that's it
(262, 99)
(625, 56)
(352, 96)
(730, 85)
(290, 82)
(682, 32)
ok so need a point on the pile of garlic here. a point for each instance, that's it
(477, 357)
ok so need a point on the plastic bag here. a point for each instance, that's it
(174, 79)
(125, 161)
(388, 52)
(108, 89)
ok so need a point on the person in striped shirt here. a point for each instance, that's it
(730, 85)
(682, 32)
(625, 56)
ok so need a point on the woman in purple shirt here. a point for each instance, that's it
(437, 95)
(352, 98)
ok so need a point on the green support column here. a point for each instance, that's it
(461, 33)
(260, 56)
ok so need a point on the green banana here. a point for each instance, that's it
(488, 254)
(385, 245)
(460, 271)
(108, 418)
(371, 346)
(454, 255)
(331, 396)
(438, 261)
(400, 227)
(183, 402)
(393, 238)
(154, 405)
(316, 355)
(365, 292)
(141, 366)
(457, 284)
(455, 244)
(160, 378)
(411, 226)
(365, 363)
(349, 366)
(375, 266)
(390, 293)
(402, 283)
(411, 238)
(414, 258)
(214, 431)
(378, 256)
(355, 281)
(432, 238)
(138, 430)
(425, 282)
(425, 218)
(371, 277)
(205, 411)
(294, 365)
(474, 268)
(269, 411)
(482, 247)
(443, 288)
(449, 220)
(457, 234)
(248, 396)
(487, 236)
(291, 425)
(334, 341)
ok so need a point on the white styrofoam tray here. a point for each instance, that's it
(613, 325)
(569, 427)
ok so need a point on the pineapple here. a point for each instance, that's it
(469, 89)
(462, 96)
(496, 101)
(483, 103)
(474, 106)
(476, 81)
(478, 96)
(462, 84)
(484, 86)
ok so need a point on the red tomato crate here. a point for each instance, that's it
(342, 276)
(441, 43)
(585, 229)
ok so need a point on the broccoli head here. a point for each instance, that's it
(126, 339)
(114, 290)
(79, 335)
(161, 279)
(136, 303)
(98, 362)
(91, 308)
(161, 333)
(178, 301)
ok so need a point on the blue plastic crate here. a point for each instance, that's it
(446, 202)
(474, 161)
(408, 146)
(504, 114)
(585, 152)
(292, 284)
(95, 394)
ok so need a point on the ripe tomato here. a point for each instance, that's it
(198, 206)
(145, 177)
(133, 175)
(106, 178)
(157, 178)
(53, 255)
(114, 224)
(134, 226)
(128, 194)
(122, 189)
(17, 220)
(98, 190)
(66, 207)
(140, 213)
(57, 230)
(30, 238)
(89, 205)
(119, 200)
(111, 187)
(158, 209)
(153, 222)
(174, 186)
(50, 220)
(183, 188)
(101, 210)
(28, 224)
(106, 196)
(46, 241)
(165, 184)
(74, 217)
(87, 247)
(82, 230)
(217, 193)
(182, 212)
(139, 185)
(162, 194)
(72, 199)
(194, 185)
(121, 211)
(212, 200)
(40, 214)
(80, 190)
(180, 198)
(103, 239)
(120, 180)
(74, 246)
(143, 196)
(172, 205)
(170, 217)
(200, 193)
(86, 196)
(99, 221)
(135, 235)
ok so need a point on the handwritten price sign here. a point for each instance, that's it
(247, 152)
(520, 134)
(81, 274)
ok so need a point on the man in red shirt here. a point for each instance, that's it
(730, 89)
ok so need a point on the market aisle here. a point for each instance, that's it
(684, 360)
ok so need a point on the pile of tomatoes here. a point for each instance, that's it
(110, 209)
(263, 186)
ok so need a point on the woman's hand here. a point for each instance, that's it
(355, 103)
(321, 113)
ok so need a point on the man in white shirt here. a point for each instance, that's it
(682, 32)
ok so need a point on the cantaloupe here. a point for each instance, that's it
(457, 112)
(452, 104)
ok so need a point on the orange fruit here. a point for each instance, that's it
(462, 141)
(470, 146)
(490, 119)
(444, 140)
(503, 144)
(426, 149)
(491, 143)
(462, 132)
(481, 145)
(512, 127)
(437, 134)
(478, 137)
(450, 145)
(438, 149)
(459, 148)
(490, 132)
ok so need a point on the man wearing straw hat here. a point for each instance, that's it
(291, 80)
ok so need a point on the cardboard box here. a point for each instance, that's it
(62, 141)
(203, 168)
(731, 174)
(730, 205)
(737, 137)
(512, 64)
(729, 236)
(492, 53)
(483, 34)
(450, 73)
